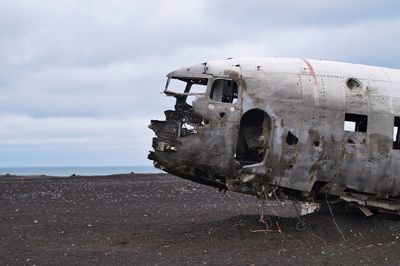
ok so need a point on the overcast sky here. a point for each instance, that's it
(80, 80)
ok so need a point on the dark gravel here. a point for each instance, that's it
(159, 219)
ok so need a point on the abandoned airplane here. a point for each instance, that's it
(292, 128)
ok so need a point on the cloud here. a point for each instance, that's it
(80, 80)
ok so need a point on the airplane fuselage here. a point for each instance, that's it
(299, 128)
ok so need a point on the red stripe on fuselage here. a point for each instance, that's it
(311, 69)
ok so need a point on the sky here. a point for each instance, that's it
(80, 80)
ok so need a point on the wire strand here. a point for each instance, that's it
(333, 218)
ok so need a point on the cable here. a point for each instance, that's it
(333, 218)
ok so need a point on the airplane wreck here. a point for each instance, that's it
(295, 128)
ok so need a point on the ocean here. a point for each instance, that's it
(78, 170)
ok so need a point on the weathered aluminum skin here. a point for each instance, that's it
(309, 99)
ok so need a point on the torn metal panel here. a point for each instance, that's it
(309, 207)
(254, 124)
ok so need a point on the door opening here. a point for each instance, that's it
(254, 133)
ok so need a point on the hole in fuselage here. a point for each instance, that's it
(291, 139)
(353, 83)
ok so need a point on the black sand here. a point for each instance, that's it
(159, 219)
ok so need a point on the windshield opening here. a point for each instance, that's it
(186, 86)
(190, 88)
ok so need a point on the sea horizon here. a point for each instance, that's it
(77, 170)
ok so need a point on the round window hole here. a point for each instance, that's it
(353, 84)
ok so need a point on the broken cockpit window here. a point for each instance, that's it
(225, 91)
(187, 89)
(184, 120)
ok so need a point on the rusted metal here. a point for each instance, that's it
(266, 125)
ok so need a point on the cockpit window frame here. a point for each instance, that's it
(210, 87)
(210, 81)
(186, 79)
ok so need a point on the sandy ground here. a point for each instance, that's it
(159, 219)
